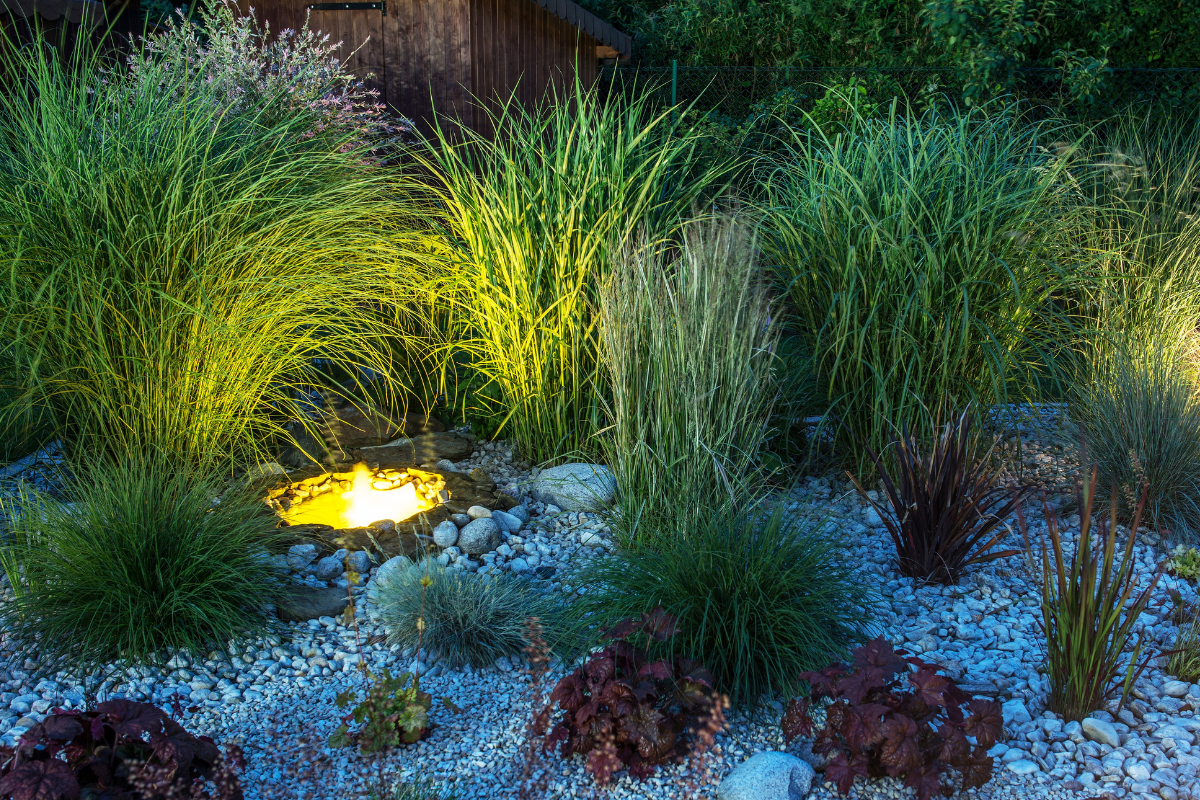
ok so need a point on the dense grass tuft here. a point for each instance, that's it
(760, 597)
(467, 619)
(1140, 416)
(920, 255)
(142, 561)
(1184, 663)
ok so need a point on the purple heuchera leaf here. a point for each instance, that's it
(623, 711)
(914, 729)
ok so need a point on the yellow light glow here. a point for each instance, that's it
(358, 506)
(365, 504)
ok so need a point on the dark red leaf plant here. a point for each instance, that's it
(622, 711)
(945, 508)
(896, 716)
(121, 749)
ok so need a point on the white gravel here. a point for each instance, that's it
(276, 696)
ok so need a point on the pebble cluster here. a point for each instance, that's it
(276, 696)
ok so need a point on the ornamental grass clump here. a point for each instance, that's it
(1089, 609)
(758, 594)
(152, 554)
(526, 222)
(689, 348)
(1139, 410)
(946, 509)
(178, 269)
(920, 255)
(1184, 661)
(466, 619)
(1139, 181)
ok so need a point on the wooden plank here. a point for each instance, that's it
(460, 55)
(483, 62)
(402, 43)
(510, 13)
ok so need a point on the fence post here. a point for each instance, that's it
(674, 82)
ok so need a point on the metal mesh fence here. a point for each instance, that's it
(734, 91)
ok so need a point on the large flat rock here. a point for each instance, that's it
(302, 603)
(427, 448)
(575, 487)
(344, 431)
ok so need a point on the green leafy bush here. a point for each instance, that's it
(1140, 417)
(689, 343)
(466, 619)
(152, 554)
(1185, 562)
(920, 255)
(394, 711)
(758, 594)
(523, 249)
(1089, 609)
(170, 277)
(842, 108)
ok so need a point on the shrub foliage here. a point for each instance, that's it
(394, 711)
(119, 749)
(623, 710)
(875, 725)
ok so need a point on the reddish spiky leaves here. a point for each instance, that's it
(889, 718)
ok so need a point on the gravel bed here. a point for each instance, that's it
(276, 696)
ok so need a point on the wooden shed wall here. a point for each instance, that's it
(517, 44)
(429, 58)
(449, 51)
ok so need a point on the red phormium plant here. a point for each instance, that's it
(946, 506)
(622, 710)
(122, 749)
(876, 726)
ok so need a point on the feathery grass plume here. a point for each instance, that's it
(946, 509)
(465, 618)
(921, 254)
(689, 341)
(1089, 609)
(154, 553)
(172, 267)
(1139, 411)
(759, 595)
(527, 222)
